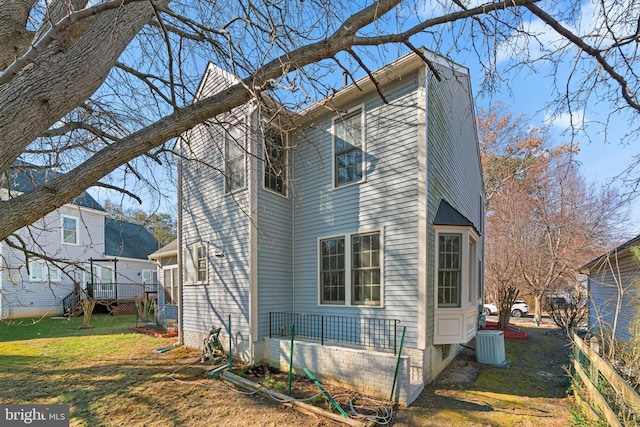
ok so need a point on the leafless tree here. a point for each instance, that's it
(90, 88)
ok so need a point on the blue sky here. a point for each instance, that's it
(528, 92)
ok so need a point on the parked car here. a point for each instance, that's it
(517, 309)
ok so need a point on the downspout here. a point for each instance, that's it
(293, 235)
(179, 252)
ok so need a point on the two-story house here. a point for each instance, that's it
(355, 223)
(73, 240)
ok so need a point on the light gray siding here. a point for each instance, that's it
(453, 171)
(607, 290)
(275, 273)
(222, 222)
(387, 201)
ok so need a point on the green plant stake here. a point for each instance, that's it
(230, 352)
(326, 393)
(293, 332)
(395, 377)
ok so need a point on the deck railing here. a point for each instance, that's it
(120, 291)
(381, 334)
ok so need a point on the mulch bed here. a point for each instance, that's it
(510, 333)
(154, 333)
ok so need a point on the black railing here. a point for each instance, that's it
(71, 302)
(382, 334)
(120, 291)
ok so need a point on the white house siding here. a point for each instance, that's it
(604, 290)
(386, 201)
(22, 297)
(221, 221)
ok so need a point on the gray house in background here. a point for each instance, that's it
(77, 238)
(614, 287)
(347, 222)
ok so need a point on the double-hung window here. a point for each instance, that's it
(235, 158)
(351, 269)
(36, 271)
(449, 270)
(275, 165)
(458, 265)
(69, 230)
(196, 264)
(348, 148)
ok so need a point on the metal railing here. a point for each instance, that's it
(381, 334)
(119, 291)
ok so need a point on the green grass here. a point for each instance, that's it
(50, 327)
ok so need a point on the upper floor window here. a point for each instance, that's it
(69, 230)
(149, 277)
(348, 148)
(196, 264)
(275, 164)
(350, 269)
(235, 158)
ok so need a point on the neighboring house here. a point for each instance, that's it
(76, 238)
(613, 284)
(364, 219)
(166, 259)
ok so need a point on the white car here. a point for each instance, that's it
(517, 309)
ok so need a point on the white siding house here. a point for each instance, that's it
(74, 239)
(363, 219)
(613, 282)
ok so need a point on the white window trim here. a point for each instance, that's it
(242, 123)
(51, 267)
(149, 270)
(43, 270)
(468, 234)
(77, 220)
(194, 247)
(286, 165)
(174, 298)
(348, 270)
(363, 149)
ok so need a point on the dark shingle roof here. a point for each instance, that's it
(128, 240)
(27, 177)
(448, 215)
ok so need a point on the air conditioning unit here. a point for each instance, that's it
(490, 347)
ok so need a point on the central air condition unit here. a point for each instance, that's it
(490, 347)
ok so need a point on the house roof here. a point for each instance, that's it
(395, 70)
(448, 215)
(626, 245)
(26, 177)
(128, 240)
(169, 249)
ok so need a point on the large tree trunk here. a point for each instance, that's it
(65, 74)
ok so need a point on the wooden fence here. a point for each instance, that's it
(609, 396)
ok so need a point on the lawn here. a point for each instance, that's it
(531, 391)
(110, 376)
